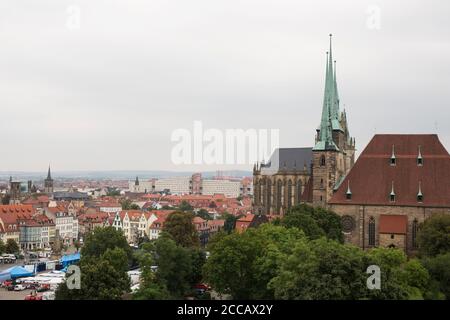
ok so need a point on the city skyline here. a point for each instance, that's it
(107, 94)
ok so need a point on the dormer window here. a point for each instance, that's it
(420, 194)
(392, 194)
(420, 158)
(393, 158)
(348, 194)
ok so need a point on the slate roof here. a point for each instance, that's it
(289, 159)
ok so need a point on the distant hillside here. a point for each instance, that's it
(113, 175)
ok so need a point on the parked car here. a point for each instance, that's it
(7, 283)
(32, 286)
(19, 287)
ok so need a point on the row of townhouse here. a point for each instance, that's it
(135, 224)
(26, 226)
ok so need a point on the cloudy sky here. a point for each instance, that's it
(101, 85)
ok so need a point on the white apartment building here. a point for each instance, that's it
(176, 185)
(133, 223)
(231, 189)
(110, 208)
(66, 227)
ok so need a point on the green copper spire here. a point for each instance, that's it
(336, 95)
(325, 141)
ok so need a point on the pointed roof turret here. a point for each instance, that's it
(136, 182)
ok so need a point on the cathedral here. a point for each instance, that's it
(398, 181)
(308, 175)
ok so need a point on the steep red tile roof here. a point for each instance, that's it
(17, 209)
(371, 177)
(393, 224)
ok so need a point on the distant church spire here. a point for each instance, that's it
(48, 182)
(49, 176)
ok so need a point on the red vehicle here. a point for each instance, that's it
(33, 296)
(7, 283)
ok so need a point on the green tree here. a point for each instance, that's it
(321, 269)
(101, 239)
(315, 222)
(439, 269)
(434, 235)
(150, 288)
(230, 268)
(102, 278)
(11, 246)
(128, 205)
(2, 247)
(175, 266)
(396, 282)
(304, 222)
(185, 206)
(230, 221)
(202, 213)
(180, 227)
(243, 264)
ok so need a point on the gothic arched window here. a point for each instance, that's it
(371, 231)
(415, 229)
(279, 189)
(289, 194)
(269, 195)
(299, 191)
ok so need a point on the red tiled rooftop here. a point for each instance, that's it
(370, 180)
(393, 224)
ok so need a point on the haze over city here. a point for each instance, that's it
(102, 85)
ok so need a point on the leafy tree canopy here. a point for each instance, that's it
(180, 227)
(434, 235)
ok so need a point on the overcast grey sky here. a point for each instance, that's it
(108, 95)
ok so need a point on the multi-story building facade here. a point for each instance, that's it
(66, 224)
(231, 189)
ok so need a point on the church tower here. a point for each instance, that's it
(48, 182)
(333, 153)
